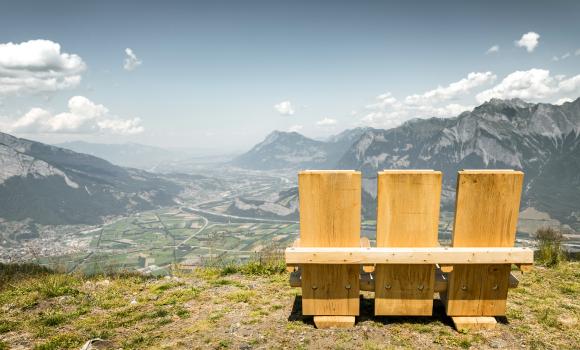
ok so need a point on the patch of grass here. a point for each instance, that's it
(242, 296)
(7, 326)
(52, 319)
(226, 282)
(547, 318)
(550, 251)
(16, 272)
(183, 313)
(178, 296)
(160, 288)
(51, 286)
(224, 344)
(257, 267)
(3, 345)
(159, 313)
(216, 315)
(60, 341)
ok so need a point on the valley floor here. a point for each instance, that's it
(252, 307)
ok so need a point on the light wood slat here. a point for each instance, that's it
(334, 321)
(407, 216)
(415, 256)
(330, 209)
(474, 323)
(367, 282)
(486, 215)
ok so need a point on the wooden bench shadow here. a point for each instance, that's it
(367, 314)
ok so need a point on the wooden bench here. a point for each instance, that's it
(332, 263)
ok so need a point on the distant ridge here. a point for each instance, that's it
(53, 185)
(541, 139)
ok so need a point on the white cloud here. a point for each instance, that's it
(389, 112)
(563, 100)
(563, 57)
(529, 40)
(384, 100)
(131, 61)
(83, 116)
(326, 122)
(295, 128)
(577, 53)
(451, 91)
(493, 49)
(532, 85)
(37, 66)
(284, 108)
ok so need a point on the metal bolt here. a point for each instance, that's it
(420, 287)
(387, 286)
(464, 287)
(347, 286)
(495, 287)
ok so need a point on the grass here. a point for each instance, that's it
(227, 306)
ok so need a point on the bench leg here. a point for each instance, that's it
(334, 321)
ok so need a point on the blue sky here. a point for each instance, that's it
(212, 72)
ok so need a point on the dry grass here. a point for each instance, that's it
(237, 308)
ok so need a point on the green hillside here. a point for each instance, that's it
(252, 306)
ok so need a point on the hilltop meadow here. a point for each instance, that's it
(251, 306)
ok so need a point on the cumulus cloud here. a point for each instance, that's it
(326, 122)
(37, 66)
(389, 112)
(532, 85)
(131, 61)
(284, 108)
(295, 128)
(83, 117)
(493, 49)
(451, 91)
(529, 40)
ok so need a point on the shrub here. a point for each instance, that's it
(550, 251)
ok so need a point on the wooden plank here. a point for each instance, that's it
(473, 323)
(487, 208)
(486, 215)
(330, 209)
(293, 268)
(367, 281)
(322, 322)
(366, 243)
(407, 216)
(414, 256)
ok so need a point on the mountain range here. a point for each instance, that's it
(292, 150)
(541, 139)
(53, 185)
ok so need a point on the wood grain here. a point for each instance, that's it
(486, 215)
(330, 211)
(413, 256)
(407, 216)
